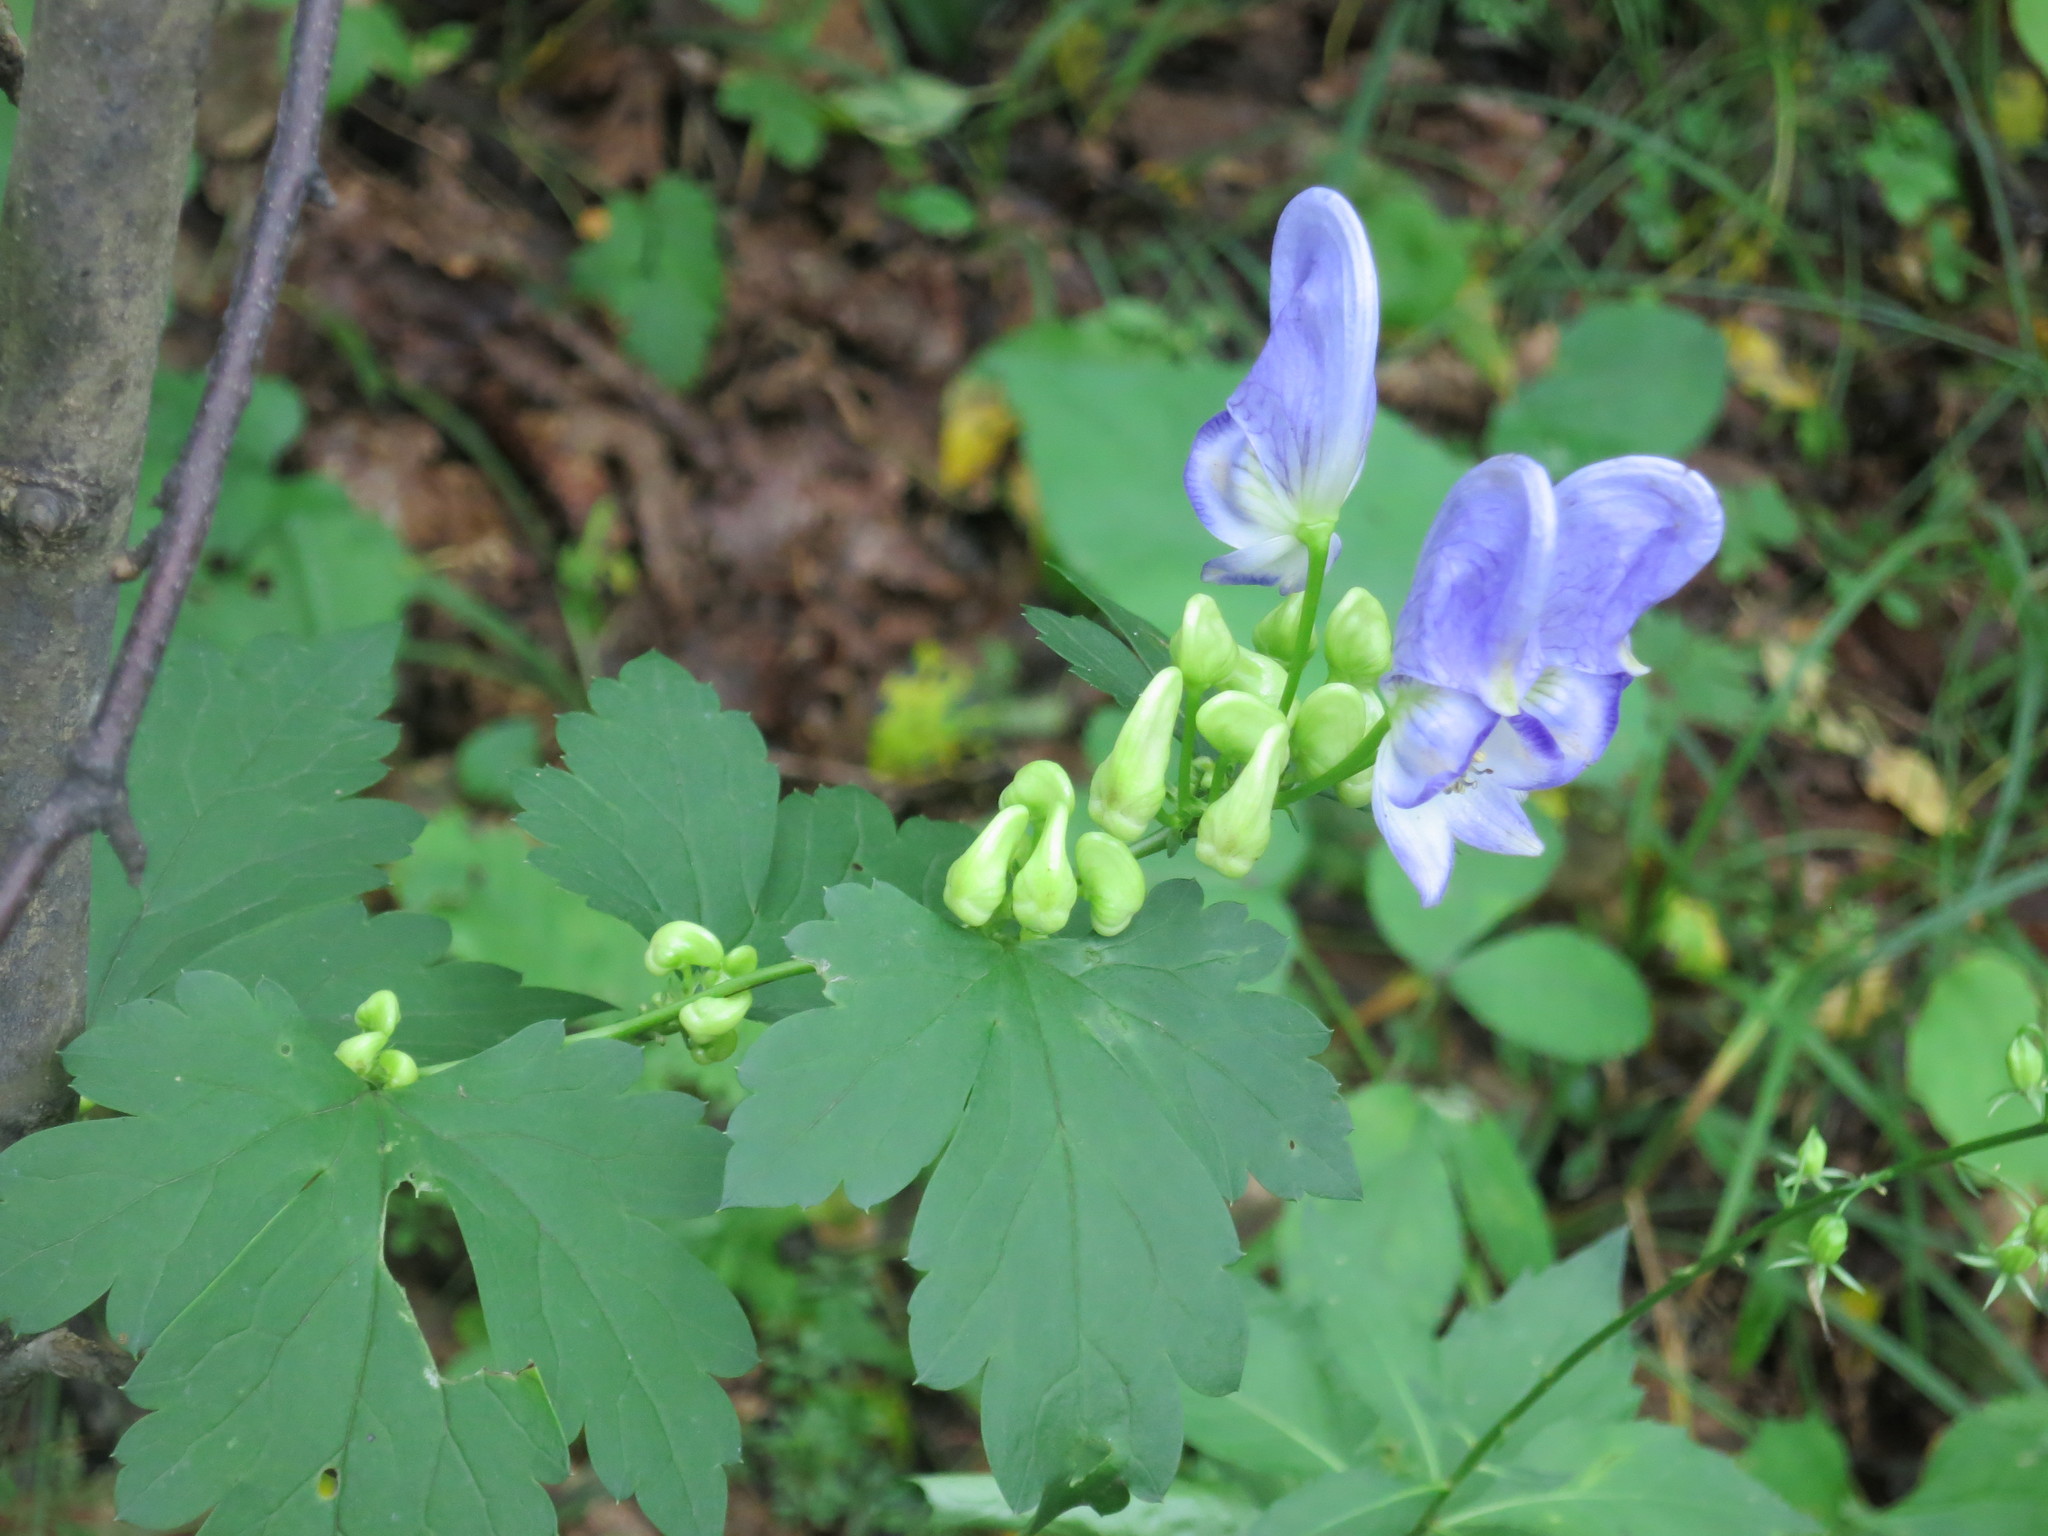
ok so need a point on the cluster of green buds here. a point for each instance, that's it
(1020, 863)
(1242, 700)
(368, 1054)
(692, 956)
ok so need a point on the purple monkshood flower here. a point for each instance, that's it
(1288, 447)
(1512, 650)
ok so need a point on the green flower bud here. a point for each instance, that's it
(2037, 1226)
(2015, 1256)
(1260, 676)
(2023, 1064)
(1039, 787)
(1130, 786)
(1812, 1160)
(1828, 1240)
(717, 1048)
(1279, 632)
(980, 877)
(359, 1052)
(1237, 828)
(1330, 724)
(678, 944)
(1356, 791)
(1203, 647)
(1112, 881)
(706, 1018)
(395, 1069)
(742, 961)
(1359, 644)
(378, 1013)
(1237, 722)
(1045, 890)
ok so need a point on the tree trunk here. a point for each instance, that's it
(86, 237)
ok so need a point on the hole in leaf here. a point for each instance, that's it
(329, 1484)
(284, 1048)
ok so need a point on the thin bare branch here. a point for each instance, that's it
(93, 795)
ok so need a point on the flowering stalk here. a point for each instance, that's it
(1317, 537)
(1705, 1264)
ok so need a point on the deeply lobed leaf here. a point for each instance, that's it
(1092, 1104)
(235, 1214)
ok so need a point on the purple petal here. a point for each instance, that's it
(1418, 839)
(1431, 742)
(1567, 720)
(1630, 532)
(1230, 491)
(1275, 562)
(1470, 619)
(1489, 817)
(1308, 403)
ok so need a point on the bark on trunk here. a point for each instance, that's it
(86, 237)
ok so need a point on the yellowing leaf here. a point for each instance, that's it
(2019, 109)
(976, 429)
(1846, 1012)
(1908, 779)
(1756, 358)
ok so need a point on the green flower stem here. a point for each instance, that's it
(654, 1020)
(1158, 840)
(1361, 758)
(1317, 537)
(1680, 1279)
(1190, 701)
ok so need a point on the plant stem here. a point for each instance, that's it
(654, 1020)
(1680, 1279)
(1317, 537)
(1360, 759)
(1190, 702)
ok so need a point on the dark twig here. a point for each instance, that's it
(60, 1352)
(13, 57)
(93, 795)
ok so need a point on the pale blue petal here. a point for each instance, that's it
(1489, 816)
(1281, 562)
(1567, 720)
(1418, 839)
(1430, 744)
(1630, 532)
(1308, 403)
(1230, 490)
(1470, 619)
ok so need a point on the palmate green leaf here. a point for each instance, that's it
(1096, 656)
(244, 783)
(1988, 1476)
(234, 1216)
(1092, 1104)
(668, 810)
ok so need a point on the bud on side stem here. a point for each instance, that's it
(705, 1019)
(378, 1013)
(1236, 830)
(1045, 890)
(1359, 644)
(2024, 1065)
(1260, 676)
(1203, 647)
(1237, 723)
(1278, 634)
(980, 877)
(1329, 725)
(1112, 881)
(1040, 787)
(1828, 1240)
(1130, 786)
(678, 944)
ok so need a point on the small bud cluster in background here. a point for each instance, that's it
(693, 959)
(369, 1054)
(2013, 1261)
(1237, 701)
